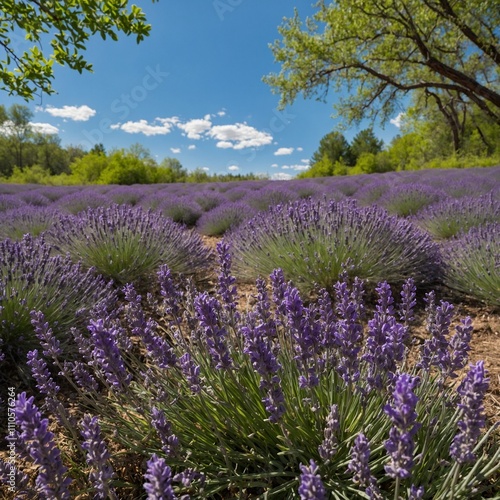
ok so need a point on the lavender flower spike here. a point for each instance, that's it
(471, 391)
(359, 466)
(311, 487)
(400, 444)
(169, 441)
(39, 442)
(158, 484)
(97, 458)
(328, 447)
(106, 355)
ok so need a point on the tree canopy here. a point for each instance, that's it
(58, 32)
(378, 51)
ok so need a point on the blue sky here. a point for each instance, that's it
(193, 90)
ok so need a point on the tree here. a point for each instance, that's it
(365, 141)
(69, 24)
(16, 129)
(379, 51)
(334, 147)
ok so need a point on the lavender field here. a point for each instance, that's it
(309, 338)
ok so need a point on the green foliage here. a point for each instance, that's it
(472, 263)
(70, 24)
(128, 244)
(382, 51)
(334, 147)
(312, 241)
(364, 143)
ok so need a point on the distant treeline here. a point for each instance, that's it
(28, 156)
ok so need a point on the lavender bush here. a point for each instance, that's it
(312, 240)
(406, 200)
(79, 201)
(31, 278)
(286, 400)
(181, 210)
(269, 196)
(472, 263)
(224, 218)
(17, 222)
(451, 217)
(128, 244)
(10, 201)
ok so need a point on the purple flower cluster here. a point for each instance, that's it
(400, 445)
(106, 355)
(471, 391)
(359, 467)
(158, 484)
(208, 310)
(98, 458)
(39, 442)
(169, 441)
(311, 486)
(328, 447)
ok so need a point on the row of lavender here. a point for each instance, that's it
(200, 400)
(216, 208)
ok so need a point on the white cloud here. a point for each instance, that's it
(274, 165)
(44, 128)
(295, 167)
(280, 176)
(175, 150)
(194, 128)
(283, 151)
(300, 149)
(160, 126)
(239, 136)
(397, 121)
(233, 168)
(192, 146)
(76, 113)
(221, 113)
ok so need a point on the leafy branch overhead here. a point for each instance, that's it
(381, 50)
(63, 25)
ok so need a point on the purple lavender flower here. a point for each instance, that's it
(460, 345)
(471, 391)
(408, 301)
(187, 476)
(97, 457)
(227, 290)
(416, 493)
(279, 287)
(258, 348)
(169, 291)
(328, 447)
(50, 344)
(39, 442)
(207, 309)
(435, 349)
(156, 347)
(106, 355)
(170, 442)
(191, 372)
(349, 334)
(83, 377)
(402, 413)
(360, 467)
(311, 486)
(158, 484)
(306, 336)
(44, 381)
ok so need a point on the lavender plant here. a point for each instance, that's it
(17, 222)
(129, 244)
(181, 210)
(31, 278)
(311, 241)
(277, 401)
(224, 218)
(451, 217)
(77, 202)
(472, 263)
(407, 200)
